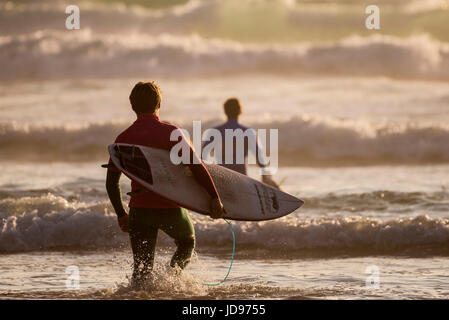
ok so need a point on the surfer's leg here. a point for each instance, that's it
(143, 242)
(179, 226)
(183, 253)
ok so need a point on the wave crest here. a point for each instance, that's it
(46, 222)
(302, 141)
(56, 55)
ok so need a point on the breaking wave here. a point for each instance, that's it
(49, 221)
(302, 141)
(48, 54)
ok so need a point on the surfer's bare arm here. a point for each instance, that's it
(114, 192)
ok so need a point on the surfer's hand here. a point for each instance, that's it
(123, 223)
(216, 208)
(268, 179)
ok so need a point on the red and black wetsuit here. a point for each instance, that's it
(150, 212)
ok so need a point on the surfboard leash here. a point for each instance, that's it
(232, 257)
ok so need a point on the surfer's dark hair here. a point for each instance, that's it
(145, 97)
(233, 107)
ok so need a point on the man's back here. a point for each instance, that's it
(148, 131)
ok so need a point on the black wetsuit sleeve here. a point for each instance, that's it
(114, 192)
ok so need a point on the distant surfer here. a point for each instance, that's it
(233, 109)
(149, 212)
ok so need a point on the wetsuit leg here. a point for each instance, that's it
(177, 224)
(143, 238)
(183, 252)
(143, 228)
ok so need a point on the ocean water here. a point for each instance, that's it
(363, 140)
(352, 220)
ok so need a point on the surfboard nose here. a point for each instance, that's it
(298, 203)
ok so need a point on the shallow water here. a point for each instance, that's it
(103, 275)
(398, 224)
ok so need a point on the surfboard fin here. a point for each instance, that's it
(138, 191)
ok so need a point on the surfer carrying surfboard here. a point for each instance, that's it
(149, 212)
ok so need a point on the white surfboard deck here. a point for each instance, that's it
(243, 198)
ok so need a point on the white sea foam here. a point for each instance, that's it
(46, 222)
(52, 54)
(302, 141)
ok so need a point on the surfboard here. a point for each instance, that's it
(243, 198)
